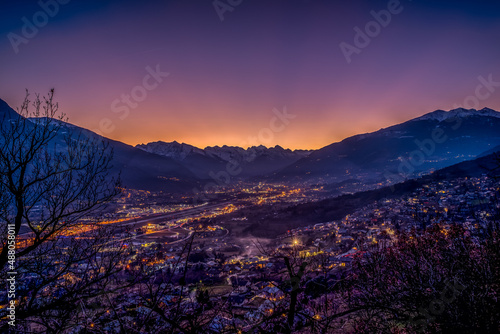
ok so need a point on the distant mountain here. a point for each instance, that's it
(138, 169)
(441, 115)
(7, 112)
(484, 165)
(408, 150)
(432, 141)
(495, 149)
(254, 161)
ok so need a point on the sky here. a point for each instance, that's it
(301, 74)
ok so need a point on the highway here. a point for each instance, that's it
(168, 216)
(161, 216)
(171, 215)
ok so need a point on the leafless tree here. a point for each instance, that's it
(163, 301)
(52, 177)
(300, 310)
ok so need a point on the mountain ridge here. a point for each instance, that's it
(371, 156)
(137, 169)
(442, 115)
(254, 161)
(366, 157)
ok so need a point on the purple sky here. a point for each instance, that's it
(226, 77)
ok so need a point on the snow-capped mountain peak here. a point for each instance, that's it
(175, 150)
(441, 115)
(207, 162)
(179, 151)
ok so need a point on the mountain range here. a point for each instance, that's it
(253, 161)
(138, 169)
(404, 151)
(407, 150)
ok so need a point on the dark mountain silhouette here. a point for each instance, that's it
(430, 142)
(254, 161)
(138, 169)
(408, 150)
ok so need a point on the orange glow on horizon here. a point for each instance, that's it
(307, 134)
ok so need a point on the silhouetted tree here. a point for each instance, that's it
(51, 177)
(166, 303)
(440, 280)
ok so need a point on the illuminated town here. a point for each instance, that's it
(245, 273)
(249, 167)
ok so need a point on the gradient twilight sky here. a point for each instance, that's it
(226, 77)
